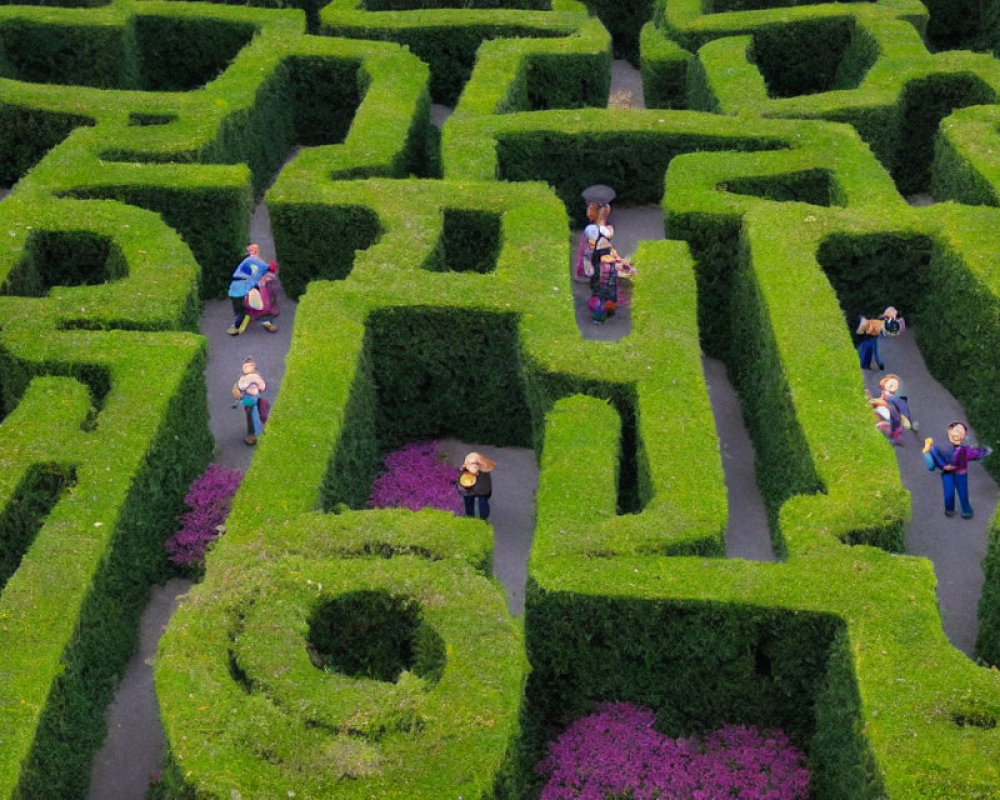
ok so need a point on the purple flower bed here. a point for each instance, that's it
(616, 753)
(417, 476)
(208, 499)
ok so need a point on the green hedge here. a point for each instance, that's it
(101, 545)
(38, 51)
(664, 65)
(27, 135)
(103, 426)
(448, 39)
(177, 54)
(322, 91)
(95, 264)
(441, 307)
(431, 731)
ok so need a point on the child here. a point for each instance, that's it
(953, 461)
(604, 293)
(895, 395)
(475, 483)
(888, 419)
(268, 287)
(894, 324)
(597, 228)
(892, 409)
(246, 391)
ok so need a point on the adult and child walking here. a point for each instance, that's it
(952, 456)
(597, 260)
(253, 293)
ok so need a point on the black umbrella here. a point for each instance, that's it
(599, 193)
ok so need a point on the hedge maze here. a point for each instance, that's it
(337, 652)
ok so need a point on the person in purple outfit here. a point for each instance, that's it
(268, 288)
(953, 461)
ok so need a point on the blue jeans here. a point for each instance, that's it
(950, 482)
(470, 505)
(254, 425)
(868, 352)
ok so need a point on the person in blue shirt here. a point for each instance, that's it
(245, 277)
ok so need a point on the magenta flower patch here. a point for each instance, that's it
(416, 476)
(208, 500)
(616, 753)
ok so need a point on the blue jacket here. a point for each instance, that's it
(246, 275)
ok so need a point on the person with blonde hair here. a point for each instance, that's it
(247, 393)
(476, 484)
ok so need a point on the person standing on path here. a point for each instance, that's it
(953, 461)
(888, 323)
(476, 485)
(245, 277)
(247, 392)
(869, 331)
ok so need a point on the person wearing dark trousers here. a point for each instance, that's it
(476, 484)
(245, 277)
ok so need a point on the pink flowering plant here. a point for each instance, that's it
(208, 500)
(616, 754)
(416, 476)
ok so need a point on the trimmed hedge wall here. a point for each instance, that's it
(270, 97)
(103, 424)
(447, 39)
(422, 735)
(101, 545)
(434, 307)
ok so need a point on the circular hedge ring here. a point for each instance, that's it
(397, 677)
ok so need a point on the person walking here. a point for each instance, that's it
(476, 484)
(953, 460)
(245, 277)
(247, 393)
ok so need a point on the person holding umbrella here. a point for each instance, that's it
(598, 199)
